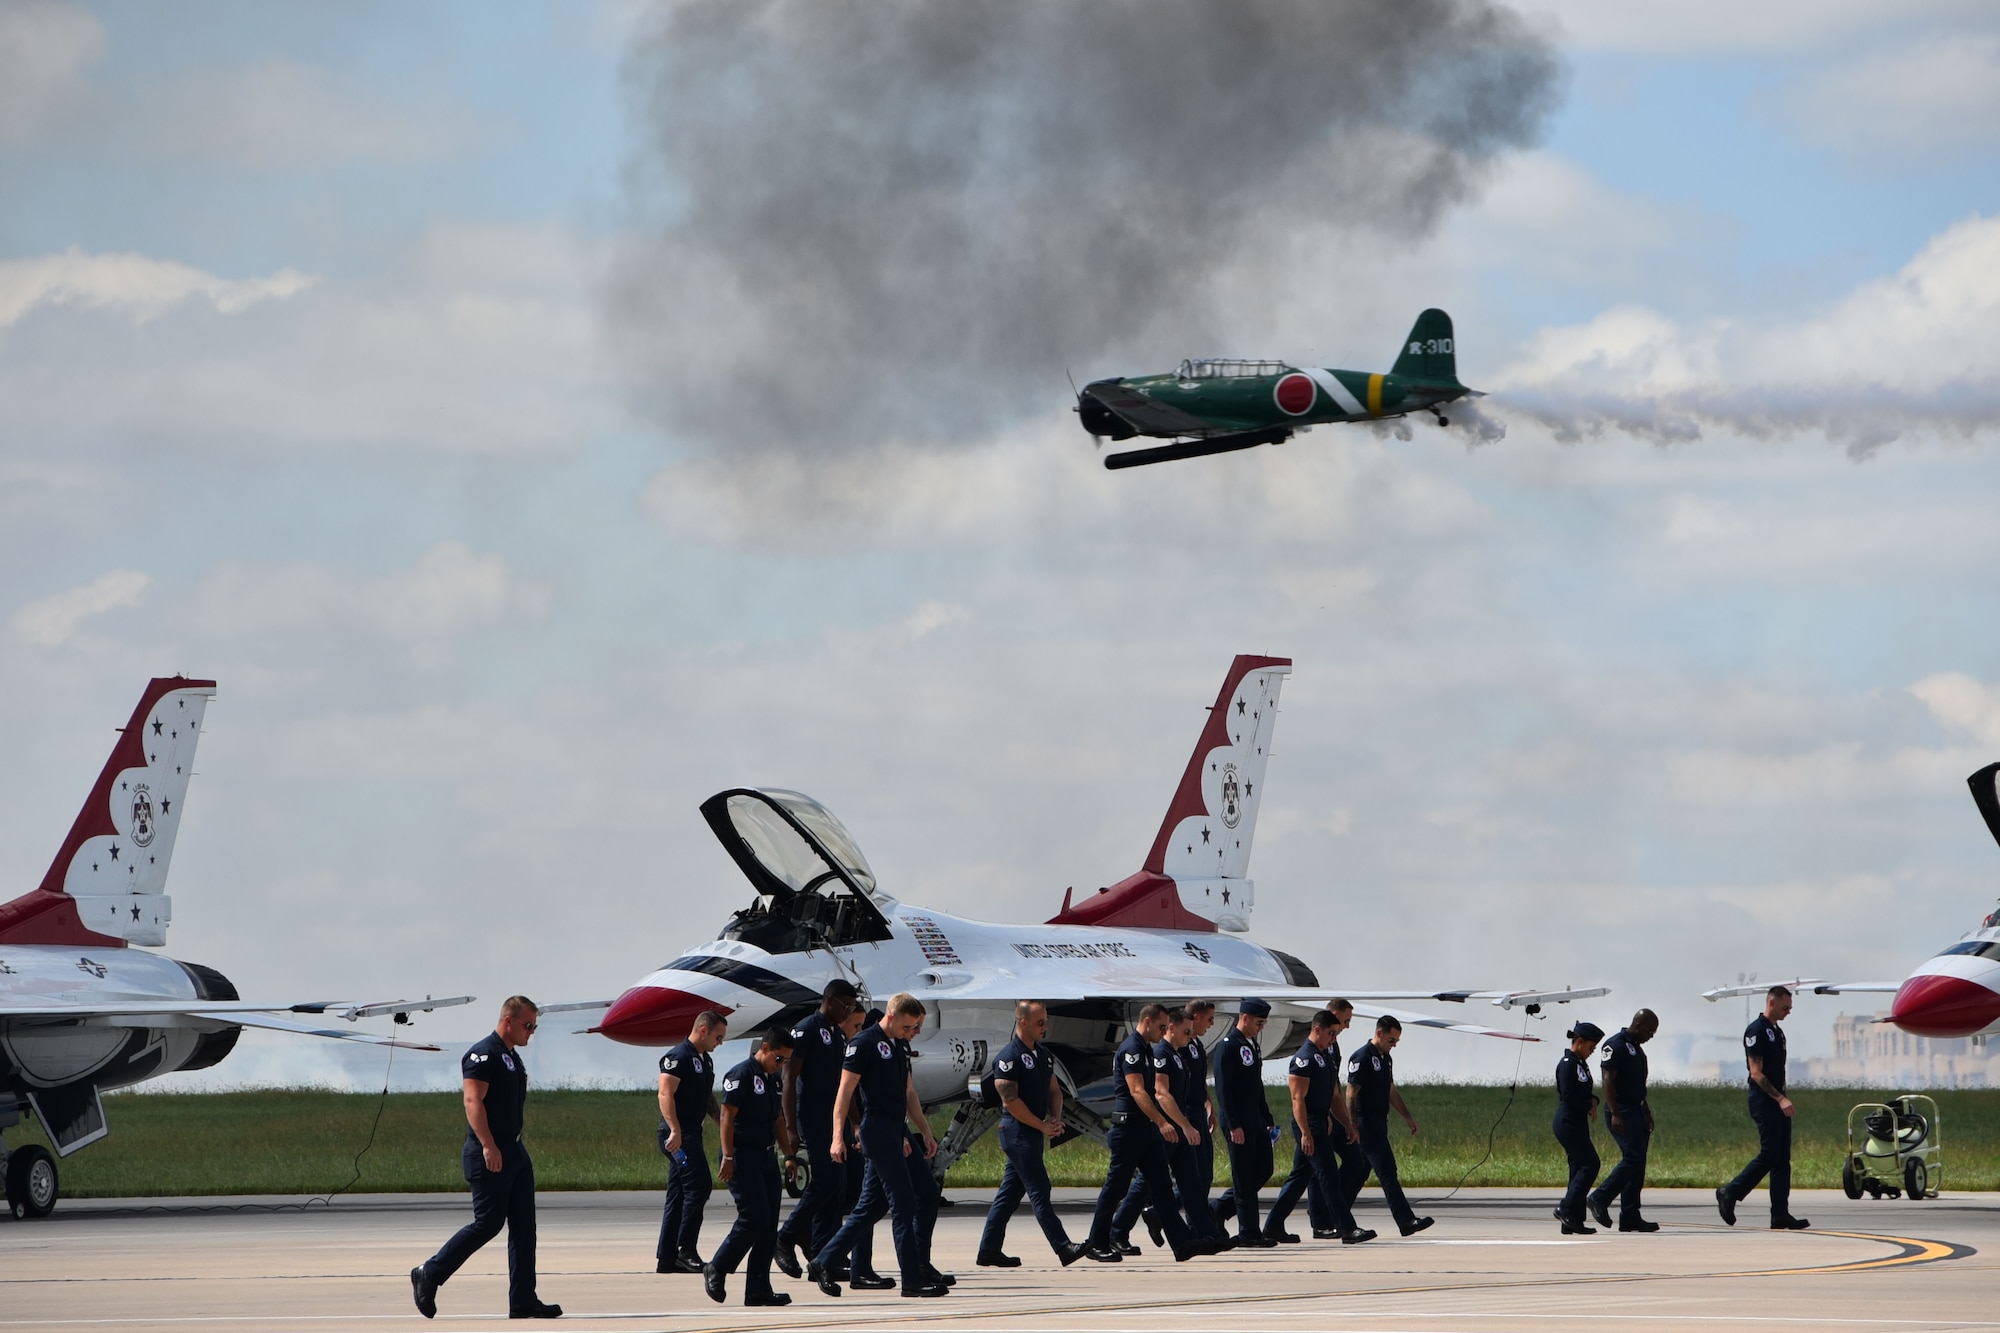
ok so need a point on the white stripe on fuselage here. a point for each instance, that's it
(1331, 386)
(1965, 966)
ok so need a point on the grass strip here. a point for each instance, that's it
(303, 1141)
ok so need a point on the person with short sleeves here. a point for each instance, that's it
(1319, 1113)
(1140, 1131)
(752, 1126)
(1629, 1116)
(1576, 1107)
(687, 1097)
(1772, 1110)
(876, 1069)
(1201, 1018)
(1371, 1095)
(811, 1082)
(1243, 1120)
(496, 1164)
(1173, 1086)
(1024, 1079)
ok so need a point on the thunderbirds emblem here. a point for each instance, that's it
(142, 816)
(1232, 797)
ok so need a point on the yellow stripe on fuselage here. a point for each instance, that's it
(1374, 395)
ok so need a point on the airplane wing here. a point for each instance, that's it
(1812, 984)
(1102, 982)
(225, 1013)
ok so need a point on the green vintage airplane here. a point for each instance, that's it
(1217, 406)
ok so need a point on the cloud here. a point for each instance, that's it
(447, 591)
(476, 339)
(45, 47)
(53, 619)
(900, 223)
(1932, 99)
(1701, 27)
(140, 286)
(1963, 702)
(1913, 351)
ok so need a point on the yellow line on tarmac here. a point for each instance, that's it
(1912, 1251)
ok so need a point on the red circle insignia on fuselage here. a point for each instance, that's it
(1295, 394)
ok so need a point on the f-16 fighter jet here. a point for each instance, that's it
(1170, 932)
(1218, 406)
(81, 1010)
(1954, 994)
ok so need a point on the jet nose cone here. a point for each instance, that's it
(654, 1016)
(1935, 1006)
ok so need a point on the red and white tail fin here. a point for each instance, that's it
(1195, 877)
(107, 885)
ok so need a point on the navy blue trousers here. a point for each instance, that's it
(823, 1202)
(886, 1187)
(754, 1184)
(689, 1184)
(503, 1198)
(1026, 1176)
(1190, 1194)
(1381, 1159)
(1136, 1146)
(1774, 1157)
(1319, 1177)
(1573, 1134)
(1629, 1176)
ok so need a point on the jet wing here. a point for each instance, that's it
(1812, 984)
(1097, 983)
(227, 1013)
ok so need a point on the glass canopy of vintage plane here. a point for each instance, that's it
(1220, 368)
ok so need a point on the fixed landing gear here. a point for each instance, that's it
(33, 1184)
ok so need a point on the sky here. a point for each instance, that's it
(539, 417)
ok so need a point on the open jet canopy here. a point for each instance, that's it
(1219, 405)
(814, 888)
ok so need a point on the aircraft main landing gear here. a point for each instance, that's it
(33, 1184)
(1441, 418)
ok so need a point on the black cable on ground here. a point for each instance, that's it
(324, 1200)
(1512, 1089)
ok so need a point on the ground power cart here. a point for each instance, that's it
(1893, 1149)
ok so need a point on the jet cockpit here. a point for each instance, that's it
(814, 888)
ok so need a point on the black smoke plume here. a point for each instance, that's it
(903, 219)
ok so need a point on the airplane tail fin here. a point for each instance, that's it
(1427, 353)
(1194, 877)
(107, 885)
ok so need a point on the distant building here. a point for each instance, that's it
(1869, 1053)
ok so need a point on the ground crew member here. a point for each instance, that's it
(1172, 1079)
(1576, 1107)
(811, 1081)
(1024, 1079)
(1764, 1053)
(1140, 1131)
(1630, 1118)
(877, 1069)
(924, 1182)
(496, 1165)
(687, 1096)
(752, 1122)
(1371, 1092)
(1319, 1112)
(1201, 1017)
(1243, 1115)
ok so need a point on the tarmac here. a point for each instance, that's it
(1494, 1263)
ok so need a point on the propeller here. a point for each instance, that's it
(1986, 797)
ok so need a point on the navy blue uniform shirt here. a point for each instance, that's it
(1134, 1056)
(506, 1078)
(1624, 1065)
(1370, 1071)
(1029, 1071)
(1573, 1088)
(817, 1050)
(696, 1073)
(758, 1101)
(1239, 1085)
(1174, 1064)
(884, 1065)
(1765, 1040)
(1322, 1074)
